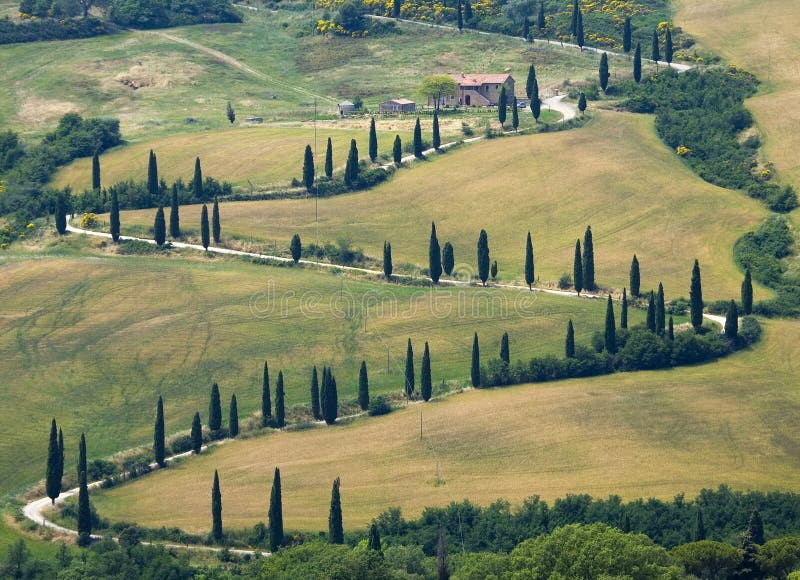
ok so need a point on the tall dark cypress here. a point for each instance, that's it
(476, 363)
(651, 312)
(671, 329)
(409, 370)
(216, 509)
(529, 83)
(668, 46)
(296, 248)
(315, 408)
(459, 17)
(483, 257)
(448, 259)
(329, 159)
(661, 311)
(696, 298)
(437, 140)
(468, 12)
(637, 63)
(215, 227)
(323, 391)
(214, 409)
(569, 343)
(197, 434)
(233, 417)
(308, 168)
(656, 53)
(425, 382)
(573, 27)
(505, 354)
(60, 454)
(626, 35)
(387, 260)
(160, 227)
(96, 171)
(373, 141)
(114, 216)
(280, 411)
(266, 402)
(397, 150)
(152, 176)
(747, 293)
(588, 260)
(61, 214)
(330, 398)
(53, 474)
(84, 512)
(197, 181)
(611, 329)
(204, 233)
(577, 268)
(275, 513)
(396, 8)
(540, 21)
(82, 462)
(502, 106)
(634, 277)
(755, 527)
(374, 541)
(434, 256)
(603, 72)
(699, 527)
(417, 140)
(351, 168)
(732, 322)
(529, 271)
(363, 387)
(623, 315)
(159, 444)
(174, 215)
(442, 567)
(335, 528)
(579, 38)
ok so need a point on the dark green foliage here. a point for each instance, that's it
(502, 105)
(637, 63)
(505, 355)
(623, 315)
(151, 14)
(603, 72)
(514, 116)
(409, 375)
(747, 293)
(483, 257)
(159, 435)
(540, 21)
(379, 405)
(396, 8)
(434, 256)
(611, 329)
(689, 348)
(266, 402)
(655, 55)
(351, 168)
(732, 322)
(579, 39)
(397, 150)
(216, 509)
(696, 298)
(671, 329)
(417, 140)
(536, 102)
(197, 180)
(577, 268)
(53, 474)
(363, 387)
(82, 463)
(329, 159)
(373, 141)
(668, 45)
(60, 454)
(468, 11)
(748, 568)
(476, 363)
(280, 410)
(96, 171)
(626, 35)
(588, 260)
(755, 527)
(205, 236)
(84, 512)
(644, 350)
(329, 397)
(387, 260)
(61, 214)
(233, 417)
(448, 259)
(459, 17)
(160, 227)
(52, 29)
(215, 227)
(651, 312)
(215, 409)
(315, 405)
(295, 248)
(661, 312)
(442, 567)
(152, 176)
(335, 529)
(230, 113)
(493, 270)
(308, 168)
(634, 277)
(275, 513)
(374, 540)
(437, 140)
(114, 217)
(569, 345)
(174, 215)
(530, 82)
(582, 103)
(529, 271)
(699, 527)
(425, 381)
(197, 434)
(573, 27)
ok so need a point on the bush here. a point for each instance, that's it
(181, 444)
(379, 405)
(100, 469)
(644, 350)
(749, 330)
(160, 14)
(690, 348)
(565, 281)
(50, 29)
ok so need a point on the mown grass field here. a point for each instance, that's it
(636, 435)
(614, 175)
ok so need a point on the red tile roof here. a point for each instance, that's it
(469, 79)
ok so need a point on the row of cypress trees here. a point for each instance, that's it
(425, 381)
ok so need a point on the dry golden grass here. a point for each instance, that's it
(644, 434)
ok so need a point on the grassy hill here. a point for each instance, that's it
(644, 434)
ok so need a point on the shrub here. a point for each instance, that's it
(644, 350)
(749, 330)
(379, 405)
(690, 348)
(565, 281)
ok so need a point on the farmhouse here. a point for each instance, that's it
(346, 107)
(398, 106)
(478, 90)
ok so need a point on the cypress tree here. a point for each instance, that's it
(603, 72)
(60, 454)
(448, 259)
(114, 217)
(582, 103)
(504, 352)
(82, 463)
(634, 277)
(588, 260)
(53, 474)
(483, 257)
(96, 171)
(233, 417)
(656, 55)
(515, 116)
(699, 527)
(214, 409)
(396, 8)
(747, 293)
(160, 227)
(437, 140)
(426, 384)
(442, 568)
(536, 105)
(216, 509)
(696, 298)
(204, 233)
(623, 316)
(434, 256)
(526, 29)
(671, 329)
(197, 181)
(335, 529)
(494, 270)
(755, 527)
(732, 322)
(387, 260)
(296, 248)
(579, 39)
(417, 140)
(363, 387)
(159, 444)
(540, 21)
(280, 412)
(230, 113)
(668, 46)
(308, 168)
(323, 398)
(373, 141)
(374, 541)
(459, 17)
(529, 83)
(573, 26)
(502, 104)
(266, 403)
(637, 63)
(397, 150)
(529, 271)
(569, 345)
(61, 214)
(152, 176)
(626, 35)
(197, 434)
(409, 370)
(174, 216)
(275, 513)
(476, 363)
(84, 512)
(215, 228)
(468, 12)
(351, 168)
(329, 159)
(661, 311)
(577, 268)
(651, 312)
(330, 398)
(611, 330)
(315, 410)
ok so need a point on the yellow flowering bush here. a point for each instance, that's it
(683, 151)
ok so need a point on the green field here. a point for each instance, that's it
(615, 175)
